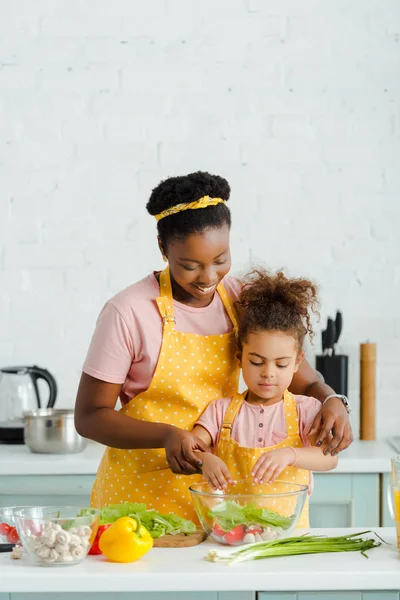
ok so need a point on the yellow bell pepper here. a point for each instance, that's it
(126, 540)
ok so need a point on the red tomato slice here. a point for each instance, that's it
(235, 535)
(12, 536)
(218, 531)
(4, 528)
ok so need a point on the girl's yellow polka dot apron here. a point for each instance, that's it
(240, 460)
(192, 370)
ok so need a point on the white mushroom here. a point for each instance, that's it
(53, 556)
(50, 538)
(17, 552)
(38, 542)
(43, 552)
(67, 558)
(74, 541)
(62, 549)
(63, 538)
(249, 538)
(84, 532)
(78, 553)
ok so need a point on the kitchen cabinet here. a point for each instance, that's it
(345, 500)
(338, 500)
(133, 596)
(328, 596)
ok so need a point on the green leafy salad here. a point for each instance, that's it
(230, 514)
(157, 524)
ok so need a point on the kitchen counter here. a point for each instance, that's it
(361, 457)
(173, 570)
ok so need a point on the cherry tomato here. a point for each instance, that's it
(12, 536)
(218, 531)
(4, 529)
(95, 546)
(235, 535)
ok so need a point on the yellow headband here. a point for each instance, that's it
(202, 203)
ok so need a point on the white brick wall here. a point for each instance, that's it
(296, 103)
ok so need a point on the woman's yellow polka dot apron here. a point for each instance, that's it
(240, 460)
(192, 370)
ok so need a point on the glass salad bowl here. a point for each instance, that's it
(55, 535)
(246, 512)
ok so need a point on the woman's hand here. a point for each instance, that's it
(180, 447)
(215, 472)
(271, 464)
(332, 417)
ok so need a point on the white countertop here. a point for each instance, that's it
(175, 570)
(361, 457)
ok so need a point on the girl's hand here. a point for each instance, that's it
(215, 472)
(180, 447)
(271, 464)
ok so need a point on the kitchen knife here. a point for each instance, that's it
(323, 335)
(330, 337)
(6, 547)
(338, 325)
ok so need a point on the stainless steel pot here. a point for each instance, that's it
(52, 431)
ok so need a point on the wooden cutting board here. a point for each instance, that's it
(181, 540)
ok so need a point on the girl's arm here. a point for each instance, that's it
(271, 464)
(214, 470)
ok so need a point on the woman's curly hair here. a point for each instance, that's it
(276, 303)
(189, 188)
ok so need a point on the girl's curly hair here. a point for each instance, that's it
(276, 303)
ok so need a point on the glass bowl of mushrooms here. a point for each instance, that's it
(55, 535)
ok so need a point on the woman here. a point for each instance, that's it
(166, 347)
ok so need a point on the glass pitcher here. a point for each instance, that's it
(394, 495)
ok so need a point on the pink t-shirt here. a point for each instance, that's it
(246, 429)
(127, 340)
(259, 426)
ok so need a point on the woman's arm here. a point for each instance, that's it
(333, 415)
(97, 419)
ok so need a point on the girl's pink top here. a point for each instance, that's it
(260, 426)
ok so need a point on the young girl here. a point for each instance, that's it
(262, 433)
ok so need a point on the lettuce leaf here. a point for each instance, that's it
(229, 514)
(157, 524)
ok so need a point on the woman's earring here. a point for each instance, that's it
(165, 259)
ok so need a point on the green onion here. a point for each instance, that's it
(305, 544)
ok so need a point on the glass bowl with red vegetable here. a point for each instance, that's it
(8, 530)
(246, 512)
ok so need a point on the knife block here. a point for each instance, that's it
(334, 370)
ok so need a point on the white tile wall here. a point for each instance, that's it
(296, 103)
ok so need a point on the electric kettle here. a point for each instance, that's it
(19, 393)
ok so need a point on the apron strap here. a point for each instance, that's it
(228, 305)
(164, 302)
(292, 421)
(230, 415)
